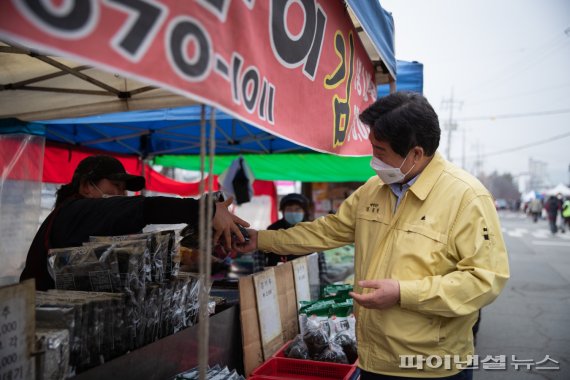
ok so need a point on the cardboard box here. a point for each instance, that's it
(17, 319)
(253, 349)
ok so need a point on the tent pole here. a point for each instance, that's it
(203, 324)
(392, 85)
(143, 191)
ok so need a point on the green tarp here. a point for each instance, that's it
(307, 167)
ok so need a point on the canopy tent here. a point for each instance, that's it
(559, 189)
(176, 130)
(166, 131)
(172, 137)
(527, 197)
(378, 25)
(292, 54)
(35, 86)
(306, 167)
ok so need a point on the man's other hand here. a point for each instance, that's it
(383, 294)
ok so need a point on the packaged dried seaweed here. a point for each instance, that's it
(347, 341)
(80, 268)
(332, 353)
(297, 349)
(316, 337)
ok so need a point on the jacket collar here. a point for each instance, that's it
(428, 177)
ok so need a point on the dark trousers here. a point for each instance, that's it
(552, 223)
(466, 374)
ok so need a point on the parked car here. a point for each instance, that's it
(501, 204)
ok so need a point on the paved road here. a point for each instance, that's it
(531, 318)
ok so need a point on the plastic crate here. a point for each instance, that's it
(294, 369)
(281, 354)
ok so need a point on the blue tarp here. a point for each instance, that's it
(164, 131)
(410, 78)
(378, 24)
(11, 125)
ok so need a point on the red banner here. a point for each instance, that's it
(60, 161)
(295, 68)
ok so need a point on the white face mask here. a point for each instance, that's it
(387, 173)
(103, 195)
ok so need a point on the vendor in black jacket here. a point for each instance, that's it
(94, 204)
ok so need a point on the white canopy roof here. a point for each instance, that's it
(559, 189)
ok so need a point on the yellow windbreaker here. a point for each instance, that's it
(444, 246)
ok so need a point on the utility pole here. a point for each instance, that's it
(450, 124)
(478, 165)
(463, 151)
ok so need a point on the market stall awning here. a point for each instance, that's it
(410, 78)
(377, 25)
(177, 130)
(301, 72)
(165, 131)
(172, 134)
(34, 86)
(306, 167)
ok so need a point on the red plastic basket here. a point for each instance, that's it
(294, 369)
(281, 352)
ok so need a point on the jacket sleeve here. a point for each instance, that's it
(326, 232)
(482, 269)
(166, 210)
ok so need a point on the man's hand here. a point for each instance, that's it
(385, 294)
(248, 246)
(224, 224)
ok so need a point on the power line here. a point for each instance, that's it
(517, 95)
(522, 63)
(529, 145)
(515, 115)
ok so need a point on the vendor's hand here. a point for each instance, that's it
(385, 294)
(248, 246)
(224, 224)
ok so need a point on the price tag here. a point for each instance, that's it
(267, 306)
(16, 329)
(301, 271)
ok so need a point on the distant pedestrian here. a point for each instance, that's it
(559, 218)
(535, 209)
(552, 206)
(566, 212)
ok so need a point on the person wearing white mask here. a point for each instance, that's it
(429, 251)
(94, 203)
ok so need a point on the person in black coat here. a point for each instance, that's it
(553, 206)
(295, 209)
(94, 204)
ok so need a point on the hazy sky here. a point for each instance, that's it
(499, 57)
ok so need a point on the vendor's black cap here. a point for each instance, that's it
(94, 168)
(300, 199)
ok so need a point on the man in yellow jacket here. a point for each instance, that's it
(429, 249)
